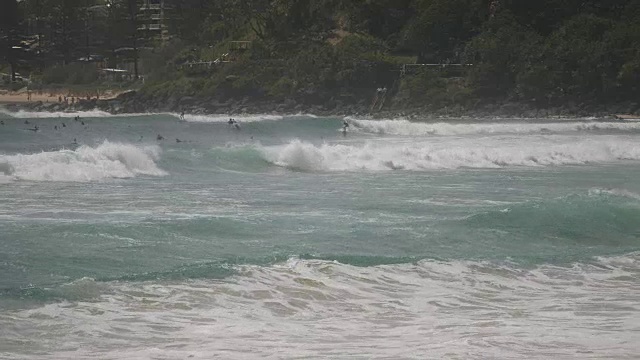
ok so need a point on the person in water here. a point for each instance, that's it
(345, 126)
(182, 115)
(231, 121)
(159, 137)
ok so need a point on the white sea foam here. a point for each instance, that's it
(107, 160)
(70, 114)
(463, 153)
(56, 114)
(222, 118)
(322, 309)
(615, 192)
(407, 128)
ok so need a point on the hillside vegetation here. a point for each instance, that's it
(334, 53)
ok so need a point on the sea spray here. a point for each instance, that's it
(107, 160)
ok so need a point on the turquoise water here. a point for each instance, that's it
(286, 238)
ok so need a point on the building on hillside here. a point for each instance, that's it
(152, 19)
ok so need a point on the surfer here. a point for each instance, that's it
(182, 116)
(35, 128)
(345, 126)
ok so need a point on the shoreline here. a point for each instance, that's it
(130, 102)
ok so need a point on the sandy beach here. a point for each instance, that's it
(7, 97)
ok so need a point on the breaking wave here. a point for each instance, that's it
(55, 114)
(407, 128)
(417, 156)
(107, 160)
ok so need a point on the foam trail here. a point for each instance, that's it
(107, 160)
(407, 128)
(418, 156)
(615, 192)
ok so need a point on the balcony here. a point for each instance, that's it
(150, 27)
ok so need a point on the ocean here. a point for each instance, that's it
(441, 239)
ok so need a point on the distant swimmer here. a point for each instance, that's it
(178, 140)
(141, 137)
(2, 122)
(55, 127)
(26, 122)
(35, 128)
(64, 125)
(75, 142)
(82, 122)
(231, 122)
(159, 137)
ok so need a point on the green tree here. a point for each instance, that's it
(10, 34)
(441, 27)
(499, 53)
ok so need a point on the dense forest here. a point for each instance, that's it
(427, 53)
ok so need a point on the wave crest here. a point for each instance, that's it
(107, 160)
(420, 156)
(407, 128)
